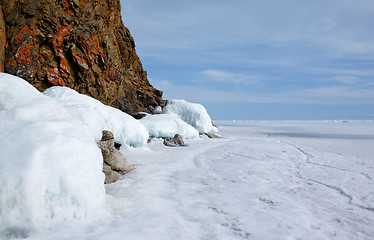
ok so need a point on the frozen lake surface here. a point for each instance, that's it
(262, 180)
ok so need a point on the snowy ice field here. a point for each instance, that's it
(262, 180)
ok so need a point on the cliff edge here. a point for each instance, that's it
(81, 44)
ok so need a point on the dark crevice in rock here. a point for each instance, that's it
(117, 145)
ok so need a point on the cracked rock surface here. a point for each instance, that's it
(81, 44)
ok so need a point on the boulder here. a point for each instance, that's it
(212, 135)
(176, 141)
(115, 163)
(110, 175)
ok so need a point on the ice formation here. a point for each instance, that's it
(167, 125)
(50, 166)
(193, 113)
(126, 129)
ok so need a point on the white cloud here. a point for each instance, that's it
(336, 26)
(321, 95)
(343, 72)
(344, 94)
(229, 77)
(320, 42)
(343, 79)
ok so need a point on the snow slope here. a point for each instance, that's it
(126, 129)
(50, 166)
(263, 180)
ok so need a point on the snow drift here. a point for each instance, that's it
(126, 129)
(50, 165)
(167, 125)
(193, 113)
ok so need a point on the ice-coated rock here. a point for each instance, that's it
(158, 110)
(192, 113)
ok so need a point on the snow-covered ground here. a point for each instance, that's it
(263, 180)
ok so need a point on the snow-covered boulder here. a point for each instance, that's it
(158, 110)
(167, 126)
(126, 129)
(50, 165)
(193, 113)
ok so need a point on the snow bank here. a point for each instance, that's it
(167, 125)
(50, 165)
(192, 113)
(126, 129)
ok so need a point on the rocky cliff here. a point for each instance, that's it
(81, 44)
(2, 39)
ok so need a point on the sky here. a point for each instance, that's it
(259, 59)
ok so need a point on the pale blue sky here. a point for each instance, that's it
(260, 59)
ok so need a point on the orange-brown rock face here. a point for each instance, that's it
(2, 39)
(81, 44)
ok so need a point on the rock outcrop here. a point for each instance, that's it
(176, 141)
(81, 44)
(2, 39)
(115, 163)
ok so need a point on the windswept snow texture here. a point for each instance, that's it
(126, 129)
(193, 113)
(263, 180)
(50, 166)
(167, 125)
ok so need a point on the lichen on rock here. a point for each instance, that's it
(81, 44)
(2, 39)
